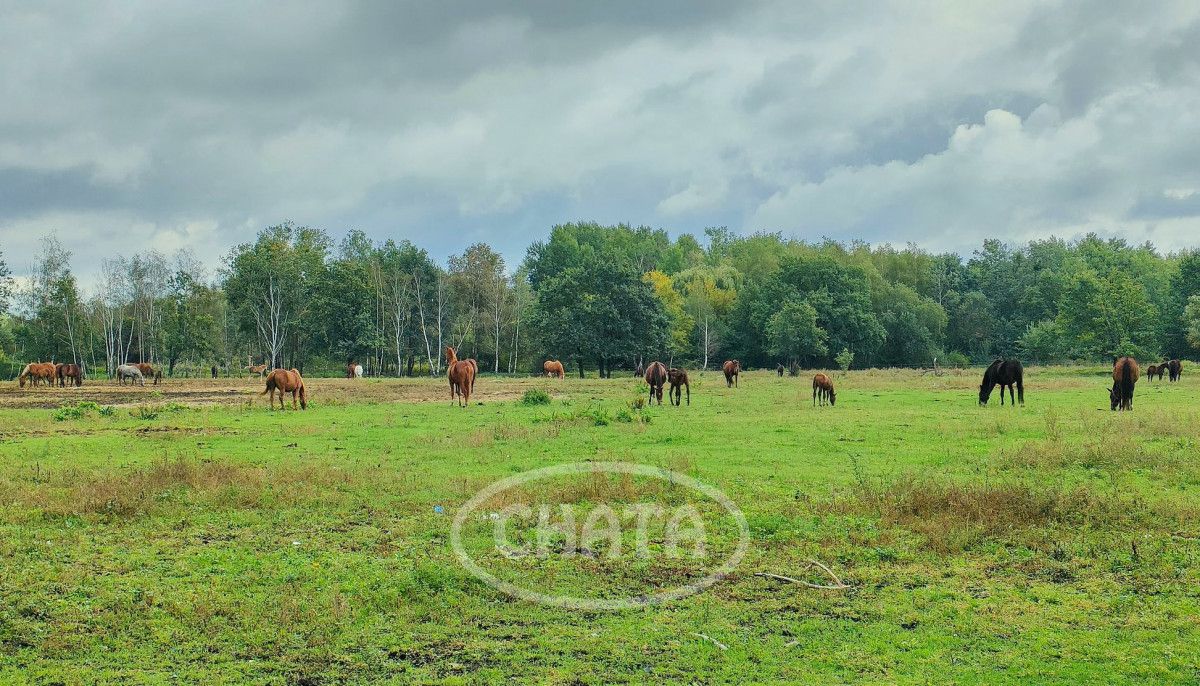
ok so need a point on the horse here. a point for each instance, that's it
(354, 370)
(731, 368)
(462, 377)
(288, 381)
(1125, 377)
(678, 378)
(1175, 369)
(37, 372)
(257, 369)
(1152, 370)
(130, 372)
(149, 372)
(639, 370)
(69, 371)
(779, 369)
(554, 369)
(656, 376)
(1006, 374)
(823, 389)
(214, 371)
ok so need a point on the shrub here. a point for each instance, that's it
(80, 410)
(535, 396)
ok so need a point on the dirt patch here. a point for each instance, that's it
(197, 392)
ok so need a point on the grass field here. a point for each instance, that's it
(188, 534)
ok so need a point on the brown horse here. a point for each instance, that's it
(259, 370)
(678, 379)
(69, 371)
(823, 389)
(554, 369)
(1125, 377)
(731, 368)
(149, 372)
(1174, 370)
(288, 381)
(462, 377)
(37, 372)
(656, 376)
(214, 371)
(779, 369)
(1154, 370)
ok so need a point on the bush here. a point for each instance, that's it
(80, 410)
(957, 360)
(844, 359)
(535, 396)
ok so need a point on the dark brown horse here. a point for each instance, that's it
(1175, 369)
(656, 376)
(214, 371)
(1006, 374)
(1125, 377)
(639, 370)
(286, 381)
(554, 369)
(779, 369)
(678, 378)
(1155, 370)
(461, 374)
(823, 390)
(69, 371)
(731, 368)
(149, 372)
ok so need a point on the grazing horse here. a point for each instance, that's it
(462, 377)
(259, 370)
(678, 379)
(37, 372)
(1125, 377)
(656, 376)
(1006, 374)
(1175, 369)
(554, 369)
(731, 368)
(130, 372)
(823, 389)
(286, 381)
(779, 369)
(69, 371)
(1153, 370)
(150, 372)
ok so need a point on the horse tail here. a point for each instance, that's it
(270, 385)
(303, 396)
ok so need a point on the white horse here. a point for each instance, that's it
(128, 371)
(358, 371)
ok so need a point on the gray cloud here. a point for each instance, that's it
(193, 125)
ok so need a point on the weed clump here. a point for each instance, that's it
(80, 410)
(535, 396)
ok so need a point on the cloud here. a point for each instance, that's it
(194, 125)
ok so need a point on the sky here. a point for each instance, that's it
(132, 126)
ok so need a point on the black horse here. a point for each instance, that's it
(1174, 369)
(1006, 374)
(779, 369)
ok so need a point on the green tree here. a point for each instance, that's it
(793, 333)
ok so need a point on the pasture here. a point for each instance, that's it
(186, 533)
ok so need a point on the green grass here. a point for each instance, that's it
(230, 544)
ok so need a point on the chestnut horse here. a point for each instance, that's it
(678, 379)
(1174, 370)
(823, 389)
(1006, 374)
(259, 370)
(149, 372)
(69, 371)
(1125, 377)
(286, 381)
(462, 377)
(656, 376)
(731, 368)
(37, 372)
(554, 368)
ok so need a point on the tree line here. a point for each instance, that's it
(602, 298)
